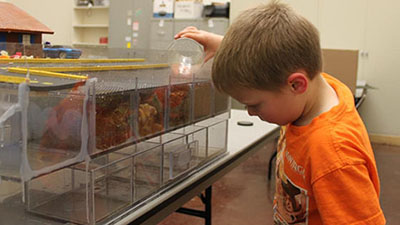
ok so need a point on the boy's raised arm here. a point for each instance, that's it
(210, 41)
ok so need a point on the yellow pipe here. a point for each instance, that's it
(12, 79)
(42, 60)
(99, 68)
(45, 73)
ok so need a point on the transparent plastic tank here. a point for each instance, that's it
(82, 140)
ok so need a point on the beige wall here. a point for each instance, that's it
(208, 2)
(381, 68)
(368, 26)
(56, 14)
(239, 5)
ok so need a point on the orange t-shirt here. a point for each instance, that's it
(326, 171)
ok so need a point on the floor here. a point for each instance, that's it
(249, 202)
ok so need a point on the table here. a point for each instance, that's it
(243, 141)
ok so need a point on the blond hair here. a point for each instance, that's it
(263, 47)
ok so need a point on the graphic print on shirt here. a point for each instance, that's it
(290, 201)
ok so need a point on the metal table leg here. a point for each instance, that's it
(206, 214)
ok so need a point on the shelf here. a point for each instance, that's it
(91, 26)
(89, 8)
(88, 44)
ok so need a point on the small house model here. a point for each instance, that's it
(20, 32)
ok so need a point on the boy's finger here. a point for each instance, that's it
(195, 36)
(191, 28)
(180, 34)
(208, 56)
(186, 30)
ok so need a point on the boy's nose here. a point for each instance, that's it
(251, 112)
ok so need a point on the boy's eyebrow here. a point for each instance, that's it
(254, 106)
(250, 104)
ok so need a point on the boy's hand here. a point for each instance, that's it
(209, 40)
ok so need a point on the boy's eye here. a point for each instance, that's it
(252, 106)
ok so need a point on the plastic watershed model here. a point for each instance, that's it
(82, 141)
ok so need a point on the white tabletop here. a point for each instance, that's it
(240, 138)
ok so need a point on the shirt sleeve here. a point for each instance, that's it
(347, 196)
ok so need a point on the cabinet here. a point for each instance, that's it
(214, 25)
(161, 33)
(133, 28)
(90, 24)
(163, 30)
(130, 22)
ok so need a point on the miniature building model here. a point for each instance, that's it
(19, 29)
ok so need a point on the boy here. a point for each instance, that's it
(270, 60)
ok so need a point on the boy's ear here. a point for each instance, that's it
(298, 82)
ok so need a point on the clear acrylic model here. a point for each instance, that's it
(83, 140)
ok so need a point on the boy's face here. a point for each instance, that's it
(280, 108)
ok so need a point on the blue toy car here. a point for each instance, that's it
(61, 51)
